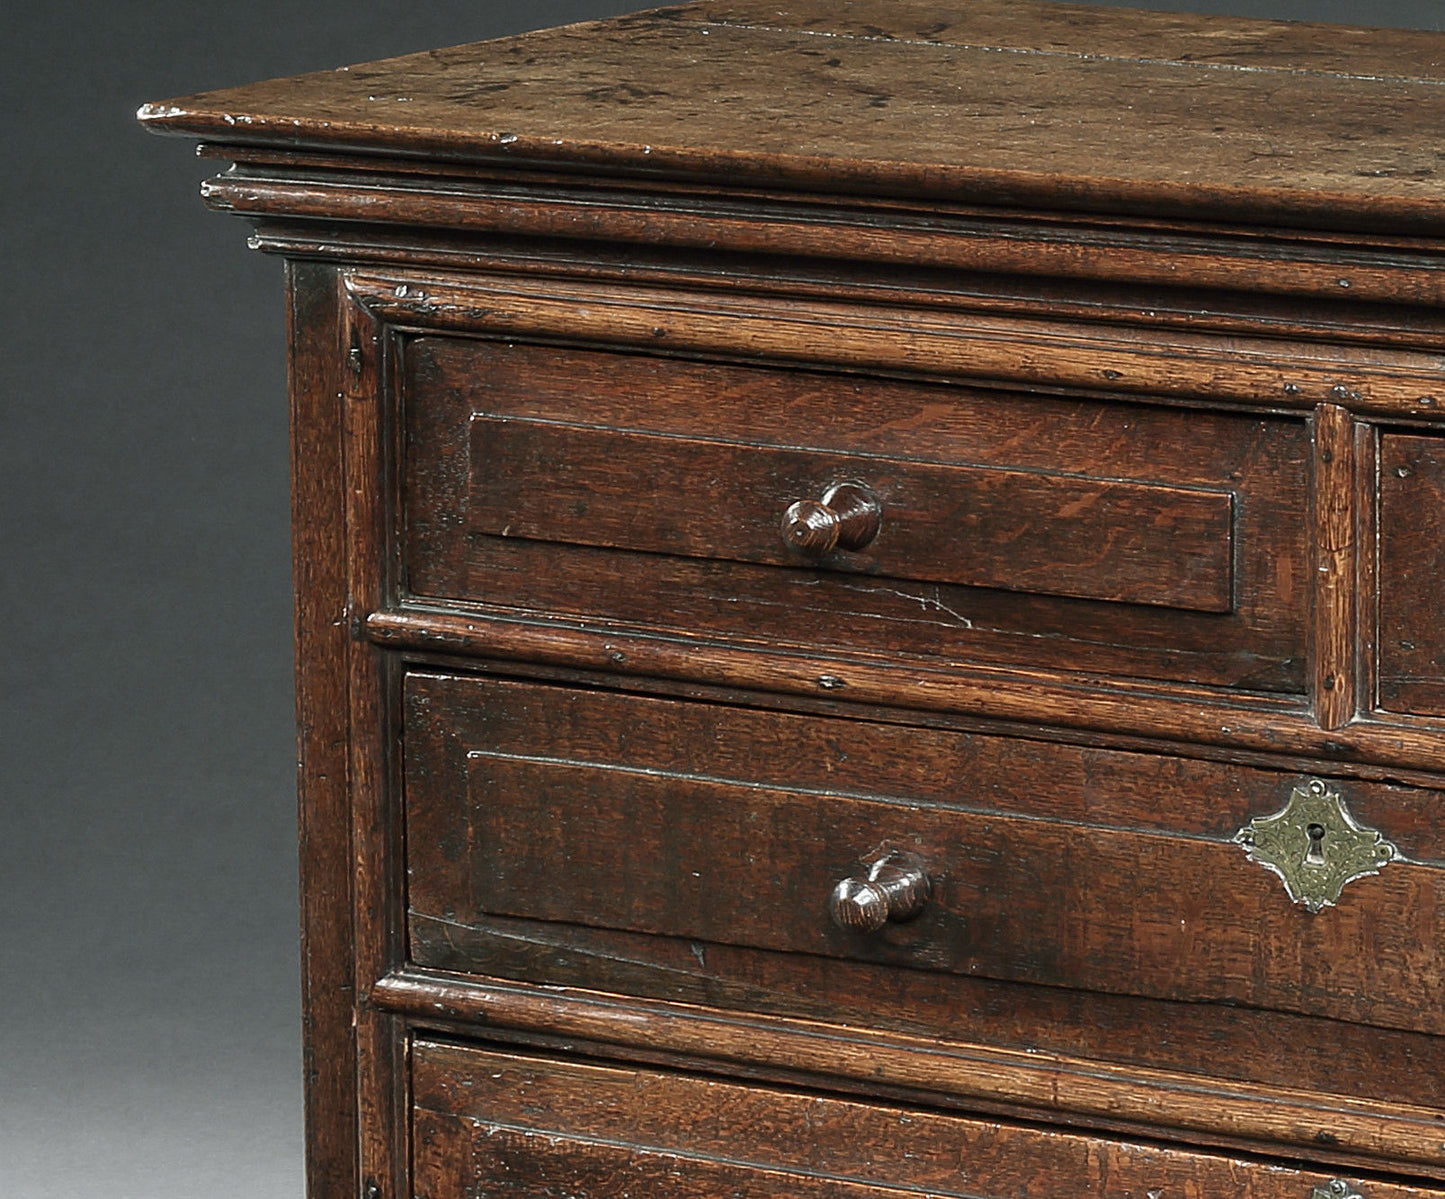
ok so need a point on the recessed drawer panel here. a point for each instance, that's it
(493, 1123)
(1412, 565)
(1053, 534)
(795, 509)
(1090, 869)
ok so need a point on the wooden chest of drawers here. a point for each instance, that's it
(867, 603)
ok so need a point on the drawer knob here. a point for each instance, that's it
(894, 888)
(847, 517)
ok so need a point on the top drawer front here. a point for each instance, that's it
(1121, 539)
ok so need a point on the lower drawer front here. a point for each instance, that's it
(502, 1124)
(1089, 869)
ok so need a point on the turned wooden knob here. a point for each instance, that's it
(894, 888)
(847, 517)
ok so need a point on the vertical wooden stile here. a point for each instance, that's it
(1367, 566)
(1332, 659)
(381, 1038)
(322, 644)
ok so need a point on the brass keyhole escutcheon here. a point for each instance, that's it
(1315, 845)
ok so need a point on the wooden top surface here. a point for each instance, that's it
(973, 101)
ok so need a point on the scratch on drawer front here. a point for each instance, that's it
(699, 951)
(927, 603)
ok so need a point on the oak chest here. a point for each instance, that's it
(868, 585)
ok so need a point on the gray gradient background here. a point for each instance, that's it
(148, 964)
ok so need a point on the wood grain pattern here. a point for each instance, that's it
(1275, 1049)
(1276, 141)
(1259, 464)
(613, 1132)
(1412, 551)
(730, 737)
(371, 695)
(946, 239)
(314, 312)
(1054, 1084)
(1169, 718)
(1134, 361)
(1054, 534)
(1334, 648)
(1182, 38)
(1022, 889)
(1367, 570)
(1130, 326)
(417, 219)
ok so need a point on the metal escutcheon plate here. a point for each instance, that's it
(1315, 845)
(1337, 1189)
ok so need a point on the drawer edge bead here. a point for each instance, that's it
(1268, 724)
(1353, 1129)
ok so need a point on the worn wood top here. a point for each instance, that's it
(989, 101)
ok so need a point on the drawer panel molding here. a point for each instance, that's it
(610, 1132)
(1115, 540)
(1342, 1130)
(1411, 563)
(1098, 871)
(1127, 360)
(1053, 534)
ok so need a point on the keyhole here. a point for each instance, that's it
(1315, 855)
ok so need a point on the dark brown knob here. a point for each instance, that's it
(847, 517)
(894, 888)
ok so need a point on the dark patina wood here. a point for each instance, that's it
(1128, 361)
(1336, 536)
(1284, 1052)
(1313, 268)
(1051, 1087)
(954, 525)
(614, 1129)
(1014, 530)
(1412, 598)
(689, 93)
(1101, 871)
(815, 528)
(1100, 481)
(328, 940)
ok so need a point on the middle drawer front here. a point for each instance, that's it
(1090, 869)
